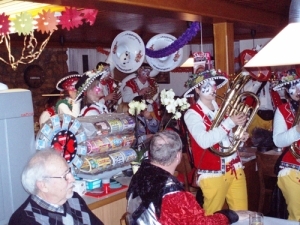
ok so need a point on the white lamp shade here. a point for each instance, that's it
(189, 62)
(283, 49)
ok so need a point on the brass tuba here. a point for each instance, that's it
(295, 149)
(232, 104)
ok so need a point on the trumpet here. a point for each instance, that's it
(232, 104)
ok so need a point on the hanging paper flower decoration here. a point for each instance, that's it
(89, 15)
(4, 24)
(71, 18)
(176, 45)
(46, 22)
(23, 23)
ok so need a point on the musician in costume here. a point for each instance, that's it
(261, 85)
(90, 90)
(110, 87)
(69, 105)
(286, 131)
(155, 196)
(220, 178)
(141, 84)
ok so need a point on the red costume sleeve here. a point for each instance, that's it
(181, 208)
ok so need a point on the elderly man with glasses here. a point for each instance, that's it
(49, 181)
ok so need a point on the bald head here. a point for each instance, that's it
(164, 147)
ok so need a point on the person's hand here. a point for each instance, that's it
(231, 215)
(143, 91)
(109, 97)
(117, 96)
(245, 137)
(239, 119)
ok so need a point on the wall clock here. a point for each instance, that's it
(34, 76)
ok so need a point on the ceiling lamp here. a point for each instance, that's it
(284, 48)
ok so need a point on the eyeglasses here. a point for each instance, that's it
(64, 176)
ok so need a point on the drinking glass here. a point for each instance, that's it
(256, 218)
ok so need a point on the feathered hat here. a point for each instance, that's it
(87, 79)
(288, 78)
(196, 80)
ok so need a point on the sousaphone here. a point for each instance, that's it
(167, 63)
(127, 51)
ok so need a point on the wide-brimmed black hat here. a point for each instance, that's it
(196, 80)
(87, 79)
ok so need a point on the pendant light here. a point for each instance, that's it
(284, 48)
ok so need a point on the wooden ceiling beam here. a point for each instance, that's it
(189, 10)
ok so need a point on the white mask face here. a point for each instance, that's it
(209, 88)
(294, 92)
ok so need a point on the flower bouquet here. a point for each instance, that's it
(172, 105)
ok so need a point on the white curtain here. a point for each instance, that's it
(75, 58)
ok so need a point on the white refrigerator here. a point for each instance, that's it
(16, 146)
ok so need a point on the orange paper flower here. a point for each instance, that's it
(46, 22)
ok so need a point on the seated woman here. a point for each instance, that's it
(91, 91)
(155, 196)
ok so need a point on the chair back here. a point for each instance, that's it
(184, 167)
(124, 220)
(267, 179)
(266, 164)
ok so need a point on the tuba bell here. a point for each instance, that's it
(295, 148)
(232, 104)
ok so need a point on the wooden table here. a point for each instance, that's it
(269, 221)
